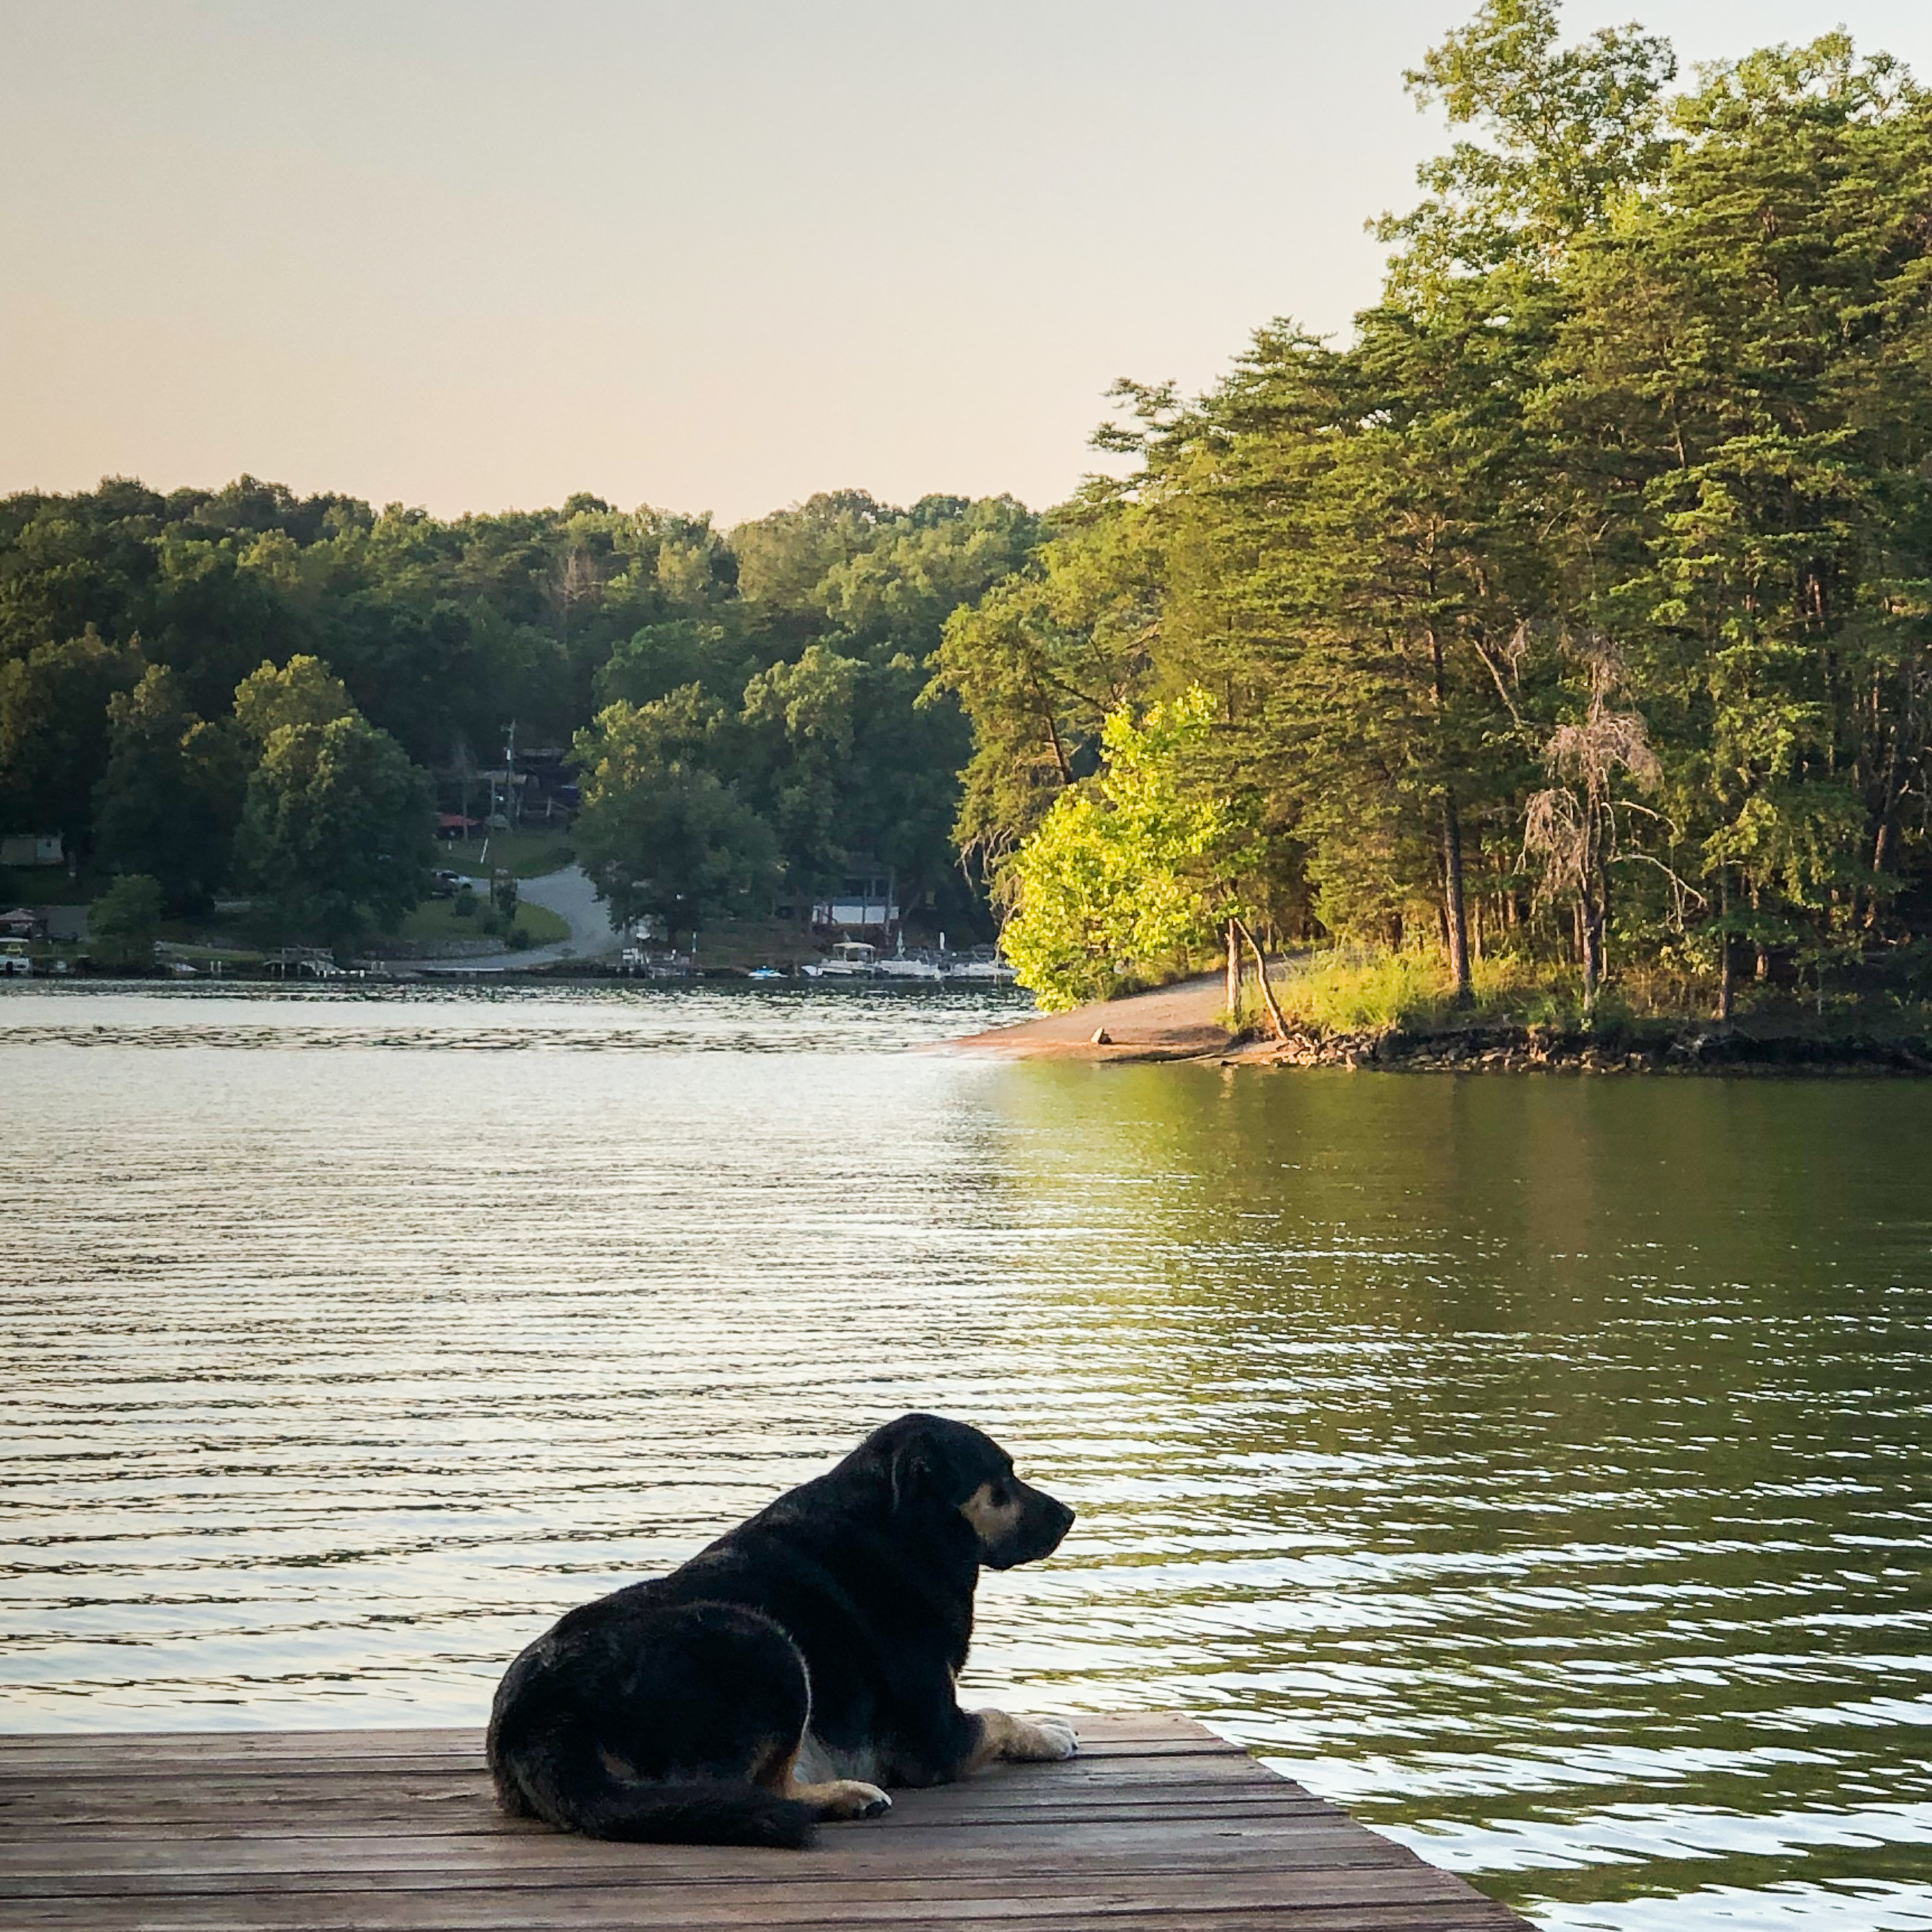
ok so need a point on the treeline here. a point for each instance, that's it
(1580, 607)
(769, 676)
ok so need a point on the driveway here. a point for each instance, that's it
(571, 895)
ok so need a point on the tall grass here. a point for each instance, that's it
(1352, 989)
(1359, 989)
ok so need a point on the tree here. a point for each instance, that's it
(1364, 524)
(1566, 131)
(54, 733)
(1042, 660)
(659, 831)
(803, 714)
(1743, 387)
(1573, 829)
(167, 804)
(1131, 873)
(659, 658)
(335, 828)
(303, 691)
(124, 922)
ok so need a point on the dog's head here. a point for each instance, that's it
(938, 1469)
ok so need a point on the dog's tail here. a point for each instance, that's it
(694, 1814)
(587, 1797)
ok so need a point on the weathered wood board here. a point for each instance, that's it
(1157, 1824)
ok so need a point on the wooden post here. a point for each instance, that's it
(1234, 976)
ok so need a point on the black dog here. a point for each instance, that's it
(785, 1673)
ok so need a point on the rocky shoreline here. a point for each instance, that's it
(1640, 1048)
(1181, 1022)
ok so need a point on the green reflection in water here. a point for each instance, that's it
(1538, 1467)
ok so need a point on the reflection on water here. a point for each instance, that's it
(1538, 1467)
(738, 1018)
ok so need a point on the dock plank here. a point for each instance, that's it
(1158, 1824)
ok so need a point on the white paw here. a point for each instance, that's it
(1056, 1739)
(867, 1801)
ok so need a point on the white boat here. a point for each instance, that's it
(641, 962)
(849, 959)
(929, 967)
(982, 966)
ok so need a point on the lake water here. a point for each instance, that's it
(1539, 1467)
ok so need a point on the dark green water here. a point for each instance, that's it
(1539, 1467)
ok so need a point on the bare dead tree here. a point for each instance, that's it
(578, 577)
(1573, 829)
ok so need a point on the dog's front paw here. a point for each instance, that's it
(849, 1797)
(1043, 1740)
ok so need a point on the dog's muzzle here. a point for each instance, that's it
(1042, 1524)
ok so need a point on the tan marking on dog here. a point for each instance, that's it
(828, 1797)
(1012, 1740)
(614, 1765)
(777, 1770)
(991, 1520)
(841, 1798)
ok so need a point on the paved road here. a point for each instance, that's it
(571, 895)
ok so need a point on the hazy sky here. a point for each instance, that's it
(712, 255)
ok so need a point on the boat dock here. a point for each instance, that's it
(1157, 1824)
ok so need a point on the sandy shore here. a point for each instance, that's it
(1177, 1022)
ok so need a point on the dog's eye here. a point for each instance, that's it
(999, 1497)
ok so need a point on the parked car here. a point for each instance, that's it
(446, 884)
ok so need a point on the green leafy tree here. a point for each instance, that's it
(334, 830)
(1043, 659)
(1129, 874)
(124, 922)
(1563, 132)
(169, 801)
(659, 658)
(303, 691)
(1366, 539)
(54, 733)
(1745, 388)
(659, 831)
(804, 713)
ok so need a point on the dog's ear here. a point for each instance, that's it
(914, 1470)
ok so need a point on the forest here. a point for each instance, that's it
(1571, 619)
(1568, 625)
(238, 690)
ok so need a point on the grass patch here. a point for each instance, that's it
(524, 855)
(1349, 990)
(435, 922)
(1359, 990)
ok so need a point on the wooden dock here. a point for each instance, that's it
(1158, 1823)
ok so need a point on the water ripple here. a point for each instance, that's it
(1540, 1468)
